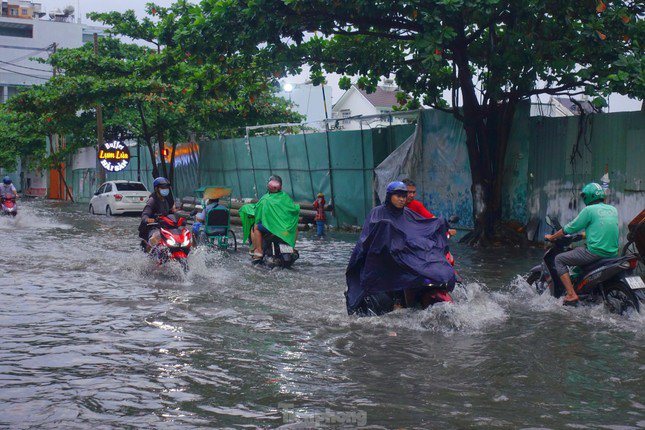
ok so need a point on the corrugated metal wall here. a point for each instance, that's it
(566, 153)
(307, 162)
(541, 176)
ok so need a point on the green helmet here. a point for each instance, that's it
(592, 192)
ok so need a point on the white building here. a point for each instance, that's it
(356, 103)
(23, 36)
(561, 106)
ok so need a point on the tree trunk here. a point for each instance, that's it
(155, 169)
(160, 142)
(487, 133)
(172, 162)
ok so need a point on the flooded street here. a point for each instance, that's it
(93, 335)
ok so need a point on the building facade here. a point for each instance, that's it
(25, 37)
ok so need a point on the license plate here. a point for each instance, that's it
(635, 283)
(286, 249)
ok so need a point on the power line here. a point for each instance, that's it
(25, 67)
(44, 78)
(22, 57)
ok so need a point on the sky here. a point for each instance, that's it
(616, 102)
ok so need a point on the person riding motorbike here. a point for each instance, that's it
(274, 213)
(160, 203)
(600, 222)
(398, 252)
(7, 189)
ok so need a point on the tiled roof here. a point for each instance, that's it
(381, 97)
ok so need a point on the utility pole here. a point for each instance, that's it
(100, 173)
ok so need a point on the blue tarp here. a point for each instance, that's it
(397, 249)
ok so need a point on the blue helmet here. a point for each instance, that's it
(6, 180)
(396, 187)
(160, 181)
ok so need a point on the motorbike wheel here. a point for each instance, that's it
(92, 210)
(232, 241)
(108, 211)
(619, 299)
(184, 264)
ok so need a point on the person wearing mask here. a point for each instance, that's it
(600, 224)
(321, 218)
(160, 203)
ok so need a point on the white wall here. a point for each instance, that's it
(84, 158)
(19, 50)
(359, 105)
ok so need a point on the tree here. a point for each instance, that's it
(203, 97)
(490, 54)
(152, 95)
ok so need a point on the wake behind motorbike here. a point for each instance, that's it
(610, 280)
(175, 241)
(8, 206)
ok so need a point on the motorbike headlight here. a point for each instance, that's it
(186, 241)
(171, 241)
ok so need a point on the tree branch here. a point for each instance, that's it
(373, 33)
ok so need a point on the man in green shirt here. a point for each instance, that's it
(600, 222)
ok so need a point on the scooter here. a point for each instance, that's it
(277, 253)
(610, 280)
(422, 297)
(175, 241)
(8, 206)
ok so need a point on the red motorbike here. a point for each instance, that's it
(175, 241)
(8, 206)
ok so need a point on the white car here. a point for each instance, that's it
(118, 197)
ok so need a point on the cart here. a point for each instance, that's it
(216, 231)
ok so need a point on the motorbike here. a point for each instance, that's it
(175, 244)
(277, 253)
(8, 206)
(422, 297)
(610, 280)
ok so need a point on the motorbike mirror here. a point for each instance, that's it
(454, 219)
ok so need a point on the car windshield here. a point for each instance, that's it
(131, 186)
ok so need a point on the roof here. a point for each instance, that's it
(381, 97)
(587, 107)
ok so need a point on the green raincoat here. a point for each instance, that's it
(277, 213)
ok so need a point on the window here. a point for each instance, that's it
(11, 29)
(24, 11)
(130, 186)
(108, 188)
(13, 12)
(100, 190)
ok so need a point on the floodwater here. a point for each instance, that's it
(93, 335)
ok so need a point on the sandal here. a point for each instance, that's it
(573, 303)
